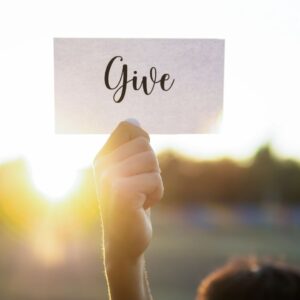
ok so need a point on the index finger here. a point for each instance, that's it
(122, 134)
(137, 145)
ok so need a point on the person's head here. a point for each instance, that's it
(251, 280)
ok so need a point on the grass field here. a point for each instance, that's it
(180, 255)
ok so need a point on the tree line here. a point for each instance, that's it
(263, 179)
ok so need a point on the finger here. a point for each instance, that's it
(154, 197)
(128, 191)
(124, 132)
(137, 145)
(143, 162)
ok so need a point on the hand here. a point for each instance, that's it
(128, 184)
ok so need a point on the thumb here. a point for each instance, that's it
(122, 134)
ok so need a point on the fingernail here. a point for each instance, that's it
(134, 122)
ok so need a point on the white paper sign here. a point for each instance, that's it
(170, 85)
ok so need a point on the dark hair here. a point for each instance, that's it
(251, 280)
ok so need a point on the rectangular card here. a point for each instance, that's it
(170, 86)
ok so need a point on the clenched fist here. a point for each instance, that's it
(128, 184)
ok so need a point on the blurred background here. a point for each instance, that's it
(212, 211)
(233, 194)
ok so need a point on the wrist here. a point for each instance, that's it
(114, 262)
(126, 278)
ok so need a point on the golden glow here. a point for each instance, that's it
(53, 178)
(46, 245)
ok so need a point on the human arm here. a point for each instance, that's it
(128, 184)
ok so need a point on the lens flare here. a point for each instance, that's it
(54, 179)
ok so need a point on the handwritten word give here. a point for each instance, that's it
(146, 84)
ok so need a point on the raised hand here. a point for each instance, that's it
(128, 184)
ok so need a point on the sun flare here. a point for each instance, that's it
(54, 179)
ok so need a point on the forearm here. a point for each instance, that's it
(127, 279)
(128, 184)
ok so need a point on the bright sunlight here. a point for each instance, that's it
(54, 179)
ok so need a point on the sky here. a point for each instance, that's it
(261, 88)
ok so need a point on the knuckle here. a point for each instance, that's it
(122, 124)
(151, 158)
(157, 177)
(121, 127)
(160, 185)
(143, 143)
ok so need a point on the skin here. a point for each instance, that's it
(128, 183)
